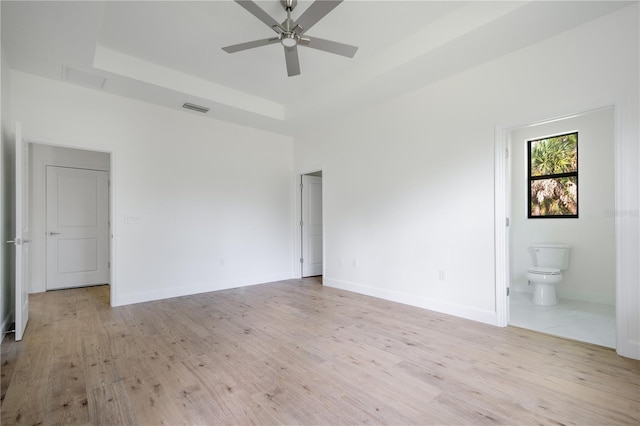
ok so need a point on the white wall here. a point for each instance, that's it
(212, 200)
(591, 273)
(41, 157)
(6, 199)
(409, 183)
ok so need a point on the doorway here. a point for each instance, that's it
(60, 174)
(587, 292)
(311, 227)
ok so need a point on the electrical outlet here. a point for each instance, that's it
(442, 275)
(355, 263)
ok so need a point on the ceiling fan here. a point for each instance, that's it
(290, 32)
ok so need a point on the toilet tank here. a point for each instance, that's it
(551, 255)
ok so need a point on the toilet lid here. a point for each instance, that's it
(544, 271)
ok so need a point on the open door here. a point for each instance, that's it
(23, 233)
(311, 224)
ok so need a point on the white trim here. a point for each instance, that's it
(113, 288)
(500, 228)
(627, 250)
(461, 311)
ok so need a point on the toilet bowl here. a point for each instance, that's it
(544, 282)
(549, 261)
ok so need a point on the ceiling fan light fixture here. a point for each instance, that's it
(289, 39)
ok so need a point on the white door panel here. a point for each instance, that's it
(23, 234)
(77, 227)
(79, 255)
(312, 245)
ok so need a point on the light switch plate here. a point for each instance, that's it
(132, 220)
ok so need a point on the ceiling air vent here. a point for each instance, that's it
(195, 107)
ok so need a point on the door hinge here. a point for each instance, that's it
(108, 264)
(507, 153)
(507, 221)
(301, 223)
(301, 186)
(507, 291)
(301, 260)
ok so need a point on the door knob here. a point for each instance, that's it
(54, 233)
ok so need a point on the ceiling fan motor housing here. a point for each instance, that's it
(289, 4)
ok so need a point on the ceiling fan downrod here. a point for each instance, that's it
(289, 38)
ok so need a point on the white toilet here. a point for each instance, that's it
(549, 261)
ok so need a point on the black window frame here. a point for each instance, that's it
(530, 179)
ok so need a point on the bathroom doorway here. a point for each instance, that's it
(587, 293)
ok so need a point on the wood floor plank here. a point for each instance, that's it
(295, 352)
(67, 391)
(109, 405)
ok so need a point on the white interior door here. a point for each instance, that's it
(311, 225)
(77, 227)
(23, 234)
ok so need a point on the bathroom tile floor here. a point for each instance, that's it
(583, 321)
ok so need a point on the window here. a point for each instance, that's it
(553, 176)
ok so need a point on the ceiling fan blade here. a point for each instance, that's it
(250, 45)
(291, 57)
(314, 13)
(330, 46)
(256, 11)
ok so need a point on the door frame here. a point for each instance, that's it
(624, 256)
(297, 218)
(111, 203)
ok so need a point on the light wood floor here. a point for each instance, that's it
(295, 352)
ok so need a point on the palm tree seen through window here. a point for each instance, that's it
(553, 176)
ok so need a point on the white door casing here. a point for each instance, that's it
(311, 225)
(23, 234)
(77, 211)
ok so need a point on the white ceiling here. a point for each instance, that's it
(169, 52)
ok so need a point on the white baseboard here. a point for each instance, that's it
(168, 293)
(628, 349)
(487, 317)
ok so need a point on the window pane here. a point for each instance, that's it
(554, 155)
(554, 197)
